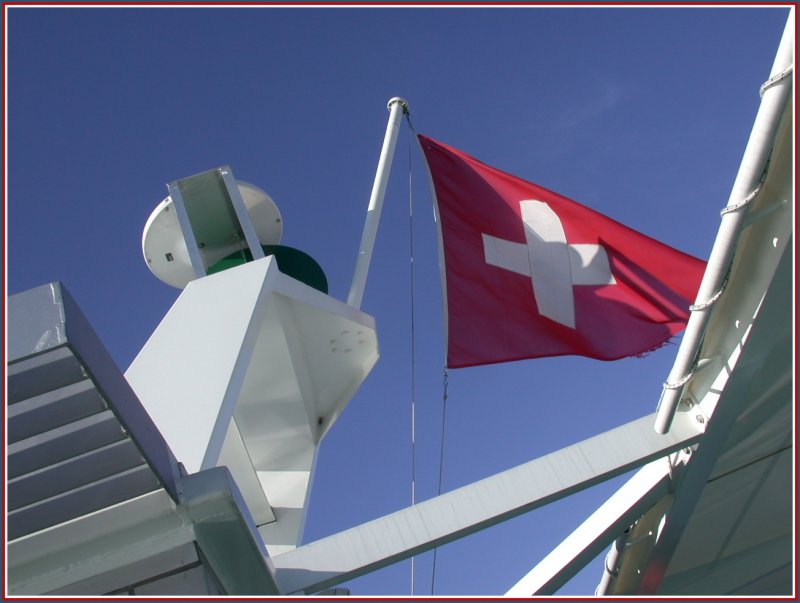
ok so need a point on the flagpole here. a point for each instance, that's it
(397, 108)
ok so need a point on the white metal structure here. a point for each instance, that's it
(97, 501)
(725, 523)
(747, 188)
(204, 219)
(265, 364)
(397, 108)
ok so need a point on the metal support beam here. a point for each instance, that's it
(226, 533)
(456, 514)
(196, 258)
(235, 195)
(617, 514)
(746, 187)
(95, 545)
(769, 333)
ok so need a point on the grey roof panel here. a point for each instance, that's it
(79, 439)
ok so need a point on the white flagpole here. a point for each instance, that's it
(397, 108)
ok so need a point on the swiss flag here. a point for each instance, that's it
(529, 273)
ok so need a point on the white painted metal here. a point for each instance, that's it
(729, 528)
(730, 524)
(619, 512)
(122, 545)
(749, 550)
(237, 200)
(423, 526)
(397, 108)
(226, 534)
(262, 373)
(137, 576)
(70, 452)
(192, 366)
(260, 365)
(235, 457)
(748, 179)
(759, 376)
(165, 249)
(187, 233)
(637, 540)
(95, 544)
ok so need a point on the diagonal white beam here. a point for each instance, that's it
(426, 525)
(650, 484)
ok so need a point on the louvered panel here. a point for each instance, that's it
(78, 439)
(80, 501)
(73, 473)
(62, 443)
(53, 409)
(43, 373)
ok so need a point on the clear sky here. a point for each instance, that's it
(639, 113)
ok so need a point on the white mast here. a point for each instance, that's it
(397, 108)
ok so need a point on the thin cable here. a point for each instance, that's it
(441, 466)
(413, 371)
(444, 386)
(413, 351)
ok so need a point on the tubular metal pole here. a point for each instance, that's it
(397, 108)
(747, 181)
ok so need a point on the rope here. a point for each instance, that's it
(441, 465)
(745, 201)
(410, 125)
(685, 379)
(711, 301)
(699, 307)
(413, 367)
(612, 571)
(413, 349)
(775, 79)
(679, 383)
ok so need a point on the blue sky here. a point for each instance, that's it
(639, 113)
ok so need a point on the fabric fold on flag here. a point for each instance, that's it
(529, 273)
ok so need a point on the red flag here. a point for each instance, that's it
(529, 273)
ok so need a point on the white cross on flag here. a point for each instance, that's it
(529, 273)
